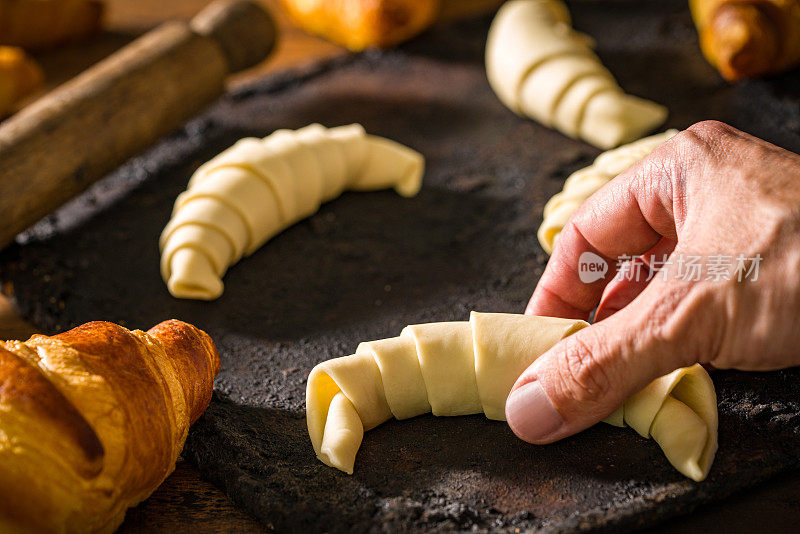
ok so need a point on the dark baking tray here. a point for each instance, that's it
(368, 264)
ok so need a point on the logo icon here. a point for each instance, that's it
(591, 267)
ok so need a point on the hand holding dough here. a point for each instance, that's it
(541, 68)
(460, 368)
(259, 187)
(582, 184)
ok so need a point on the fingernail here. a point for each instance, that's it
(530, 413)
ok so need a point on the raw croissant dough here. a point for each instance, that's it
(460, 368)
(259, 187)
(541, 68)
(582, 184)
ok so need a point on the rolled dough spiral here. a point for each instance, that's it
(541, 68)
(460, 368)
(679, 411)
(259, 187)
(583, 183)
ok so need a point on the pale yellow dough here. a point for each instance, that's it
(543, 69)
(460, 368)
(583, 183)
(257, 188)
(679, 411)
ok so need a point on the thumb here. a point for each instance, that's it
(588, 375)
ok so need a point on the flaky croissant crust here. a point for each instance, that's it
(92, 421)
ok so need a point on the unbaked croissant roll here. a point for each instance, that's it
(541, 68)
(583, 183)
(460, 368)
(748, 38)
(679, 411)
(259, 187)
(92, 421)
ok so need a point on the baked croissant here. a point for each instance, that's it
(541, 68)
(748, 38)
(39, 24)
(259, 187)
(360, 24)
(583, 183)
(460, 368)
(20, 76)
(92, 421)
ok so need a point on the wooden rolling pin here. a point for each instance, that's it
(61, 144)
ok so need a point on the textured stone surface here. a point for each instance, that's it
(368, 264)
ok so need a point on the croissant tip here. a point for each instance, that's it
(742, 42)
(176, 323)
(173, 329)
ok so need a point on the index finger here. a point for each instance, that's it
(626, 217)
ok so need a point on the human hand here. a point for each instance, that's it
(710, 192)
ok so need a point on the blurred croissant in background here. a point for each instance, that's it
(360, 24)
(20, 76)
(40, 24)
(749, 38)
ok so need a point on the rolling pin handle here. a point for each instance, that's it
(143, 91)
(244, 31)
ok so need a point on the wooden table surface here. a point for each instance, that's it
(185, 503)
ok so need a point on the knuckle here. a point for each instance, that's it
(671, 167)
(706, 140)
(582, 377)
(711, 129)
(570, 232)
(660, 175)
(692, 144)
(686, 159)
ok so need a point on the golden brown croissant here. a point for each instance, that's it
(749, 38)
(38, 24)
(19, 77)
(360, 24)
(92, 421)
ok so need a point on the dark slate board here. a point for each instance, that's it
(368, 264)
